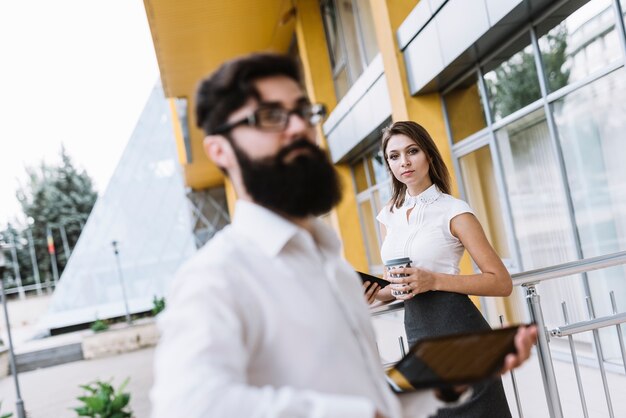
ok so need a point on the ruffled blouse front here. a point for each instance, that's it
(425, 236)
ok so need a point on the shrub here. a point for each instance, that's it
(102, 401)
(9, 415)
(158, 304)
(99, 325)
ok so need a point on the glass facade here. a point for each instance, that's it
(554, 140)
(351, 40)
(577, 46)
(481, 193)
(511, 79)
(145, 210)
(373, 188)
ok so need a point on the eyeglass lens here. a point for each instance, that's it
(278, 117)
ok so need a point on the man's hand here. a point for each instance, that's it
(525, 338)
(379, 415)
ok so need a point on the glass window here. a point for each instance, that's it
(367, 29)
(350, 36)
(591, 124)
(465, 108)
(511, 79)
(331, 26)
(377, 167)
(360, 178)
(382, 196)
(538, 205)
(351, 40)
(584, 42)
(482, 195)
(342, 84)
(539, 210)
(373, 192)
(623, 4)
(368, 220)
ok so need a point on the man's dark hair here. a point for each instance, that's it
(231, 85)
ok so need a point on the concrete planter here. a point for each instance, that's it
(120, 339)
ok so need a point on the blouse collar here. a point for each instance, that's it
(427, 196)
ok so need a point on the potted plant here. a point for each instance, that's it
(102, 401)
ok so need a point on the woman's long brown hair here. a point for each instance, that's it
(437, 169)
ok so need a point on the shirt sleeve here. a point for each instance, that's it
(201, 360)
(384, 216)
(457, 207)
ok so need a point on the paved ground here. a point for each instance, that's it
(389, 327)
(533, 398)
(52, 392)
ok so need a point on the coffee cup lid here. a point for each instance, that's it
(396, 261)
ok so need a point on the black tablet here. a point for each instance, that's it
(459, 359)
(372, 279)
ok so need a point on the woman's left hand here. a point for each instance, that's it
(416, 280)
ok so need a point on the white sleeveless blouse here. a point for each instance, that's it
(425, 238)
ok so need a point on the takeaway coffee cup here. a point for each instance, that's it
(394, 264)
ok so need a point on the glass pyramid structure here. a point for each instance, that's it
(143, 209)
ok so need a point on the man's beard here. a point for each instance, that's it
(306, 185)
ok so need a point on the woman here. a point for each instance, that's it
(423, 222)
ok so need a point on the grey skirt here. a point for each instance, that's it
(432, 314)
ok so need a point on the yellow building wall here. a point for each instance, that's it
(319, 84)
(425, 109)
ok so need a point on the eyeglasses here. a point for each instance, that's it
(276, 118)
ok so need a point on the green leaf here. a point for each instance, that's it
(84, 398)
(120, 401)
(121, 414)
(103, 402)
(106, 388)
(123, 385)
(96, 403)
(88, 388)
(82, 411)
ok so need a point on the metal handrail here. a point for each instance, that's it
(569, 268)
(528, 280)
(386, 307)
(535, 276)
(589, 325)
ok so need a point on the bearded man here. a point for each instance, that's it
(267, 319)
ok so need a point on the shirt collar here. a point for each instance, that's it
(271, 232)
(427, 196)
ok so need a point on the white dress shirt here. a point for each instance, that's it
(424, 237)
(267, 320)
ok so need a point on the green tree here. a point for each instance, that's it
(59, 196)
(516, 83)
(13, 236)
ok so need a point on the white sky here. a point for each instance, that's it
(76, 72)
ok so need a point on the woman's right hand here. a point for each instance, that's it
(371, 290)
(384, 294)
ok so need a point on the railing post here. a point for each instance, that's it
(543, 352)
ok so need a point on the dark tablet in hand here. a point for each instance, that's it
(459, 359)
(372, 279)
